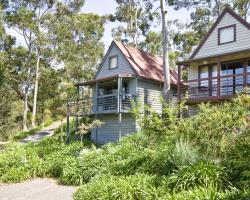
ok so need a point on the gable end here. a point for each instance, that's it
(123, 65)
(225, 11)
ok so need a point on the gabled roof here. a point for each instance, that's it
(226, 10)
(143, 65)
(146, 65)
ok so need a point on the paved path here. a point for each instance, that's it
(46, 132)
(37, 189)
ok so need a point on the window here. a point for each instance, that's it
(113, 62)
(208, 81)
(227, 34)
(248, 71)
(230, 85)
(204, 75)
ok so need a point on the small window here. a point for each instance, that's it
(227, 34)
(113, 62)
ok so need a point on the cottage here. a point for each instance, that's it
(126, 73)
(220, 66)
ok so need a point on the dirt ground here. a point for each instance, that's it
(37, 189)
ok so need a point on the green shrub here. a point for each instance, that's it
(237, 161)
(184, 153)
(115, 187)
(15, 175)
(215, 127)
(201, 174)
(47, 158)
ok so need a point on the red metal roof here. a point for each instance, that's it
(146, 65)
(143, 64)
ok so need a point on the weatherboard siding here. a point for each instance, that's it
(109, 132)
(123, 64)
(211, 47)
(132, 86)
(150, 93)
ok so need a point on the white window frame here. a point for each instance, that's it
(110, 58)
(223, 28)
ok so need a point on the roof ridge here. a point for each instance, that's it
(145, 65)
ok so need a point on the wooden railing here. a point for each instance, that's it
(101, 104)
(224, 86)
(113, 103)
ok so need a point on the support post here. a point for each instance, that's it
(119, 105)
(68, 129)
(245, 74)
(218, 78)
(96, 108)
(96, 96)
(96, 131)
(77, 111)
(179, 83)
(77, 122)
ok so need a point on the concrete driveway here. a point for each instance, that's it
(37, 189)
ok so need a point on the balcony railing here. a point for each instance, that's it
(216, 88)
(111, 103)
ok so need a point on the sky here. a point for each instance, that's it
(104, 7)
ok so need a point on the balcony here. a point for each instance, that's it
(111, 103)
(214, 88)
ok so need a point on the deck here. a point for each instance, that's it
(214, 89)
(111, 103)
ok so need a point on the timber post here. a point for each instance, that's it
(96, 109)
(77, 109)
(218, 78)
(119, 102)
(245, 75)
(67, 124)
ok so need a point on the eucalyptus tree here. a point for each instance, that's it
(31, 20)
(152, 43)
(176, 4)
(75, 40)
(243, 7)
(138, 16)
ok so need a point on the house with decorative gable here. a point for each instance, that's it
(125, 74)
(219, 67)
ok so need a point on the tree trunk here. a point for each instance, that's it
(166, 70)
(81, 138)
(25, 110)
(26, 98)
(62, 129)
(33, 119)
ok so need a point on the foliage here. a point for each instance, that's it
(85, 127)
(46, 158)
(59, 46)
(237, 161)
(200, 174)
(114, 187)
(180, 165)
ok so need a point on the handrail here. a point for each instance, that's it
(216, 77)
(107, 95)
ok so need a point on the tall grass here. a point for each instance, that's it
(203, 157)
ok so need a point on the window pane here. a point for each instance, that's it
(248, 70)
(113, 62)
(213, 89)
(226, 35)
(204, 72)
